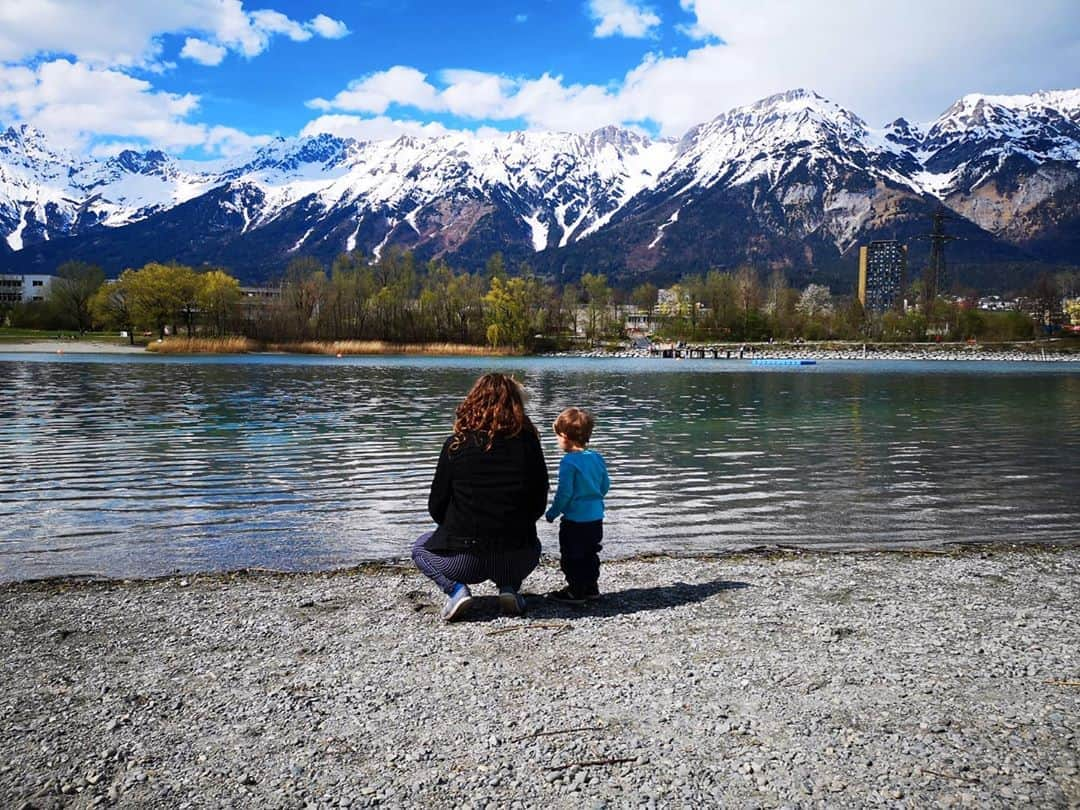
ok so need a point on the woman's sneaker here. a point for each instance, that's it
(511, 602)
(567, 596)
(457, 604)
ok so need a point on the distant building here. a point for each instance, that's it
(637, 322)
(21, 289)
(995, 303)
(266, 293)
(668, 301)
(882, 271)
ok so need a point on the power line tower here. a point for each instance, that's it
(934, 277)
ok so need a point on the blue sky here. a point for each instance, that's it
(203, 78)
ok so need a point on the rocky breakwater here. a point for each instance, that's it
(878, 351)
(885, 679)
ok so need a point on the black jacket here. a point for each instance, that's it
(488, 498)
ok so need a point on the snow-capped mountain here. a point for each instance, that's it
(47, 193)
(795, 181)
(1001, 160)
(791, 181)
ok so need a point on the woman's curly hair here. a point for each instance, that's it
(494, 407)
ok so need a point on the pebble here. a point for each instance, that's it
(711, 676)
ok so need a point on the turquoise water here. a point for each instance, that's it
(131, 465)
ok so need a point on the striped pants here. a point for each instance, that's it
(506, 567)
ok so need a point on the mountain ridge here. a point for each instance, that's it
(791, 182)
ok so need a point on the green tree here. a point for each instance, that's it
(495, 268)
(720, 295)
(569, 308)
(302, 297)
(851, 320)
(816, 308)
(111, 305)
(72, 289)
(597, 305)
(506, 313)
(352, 284)
(217, 296)
(157, 294)
(749, 296)
(391, 305)
(780, 303)
(644, 296)
(1044, 297)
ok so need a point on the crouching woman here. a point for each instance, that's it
(490, 488)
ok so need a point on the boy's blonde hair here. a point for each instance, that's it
(576, 424)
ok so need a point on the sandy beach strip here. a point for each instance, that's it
(68, 347)
(801, 679)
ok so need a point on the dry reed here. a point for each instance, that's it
(226, 345)
(344, 347)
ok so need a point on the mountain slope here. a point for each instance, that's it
(792, 182)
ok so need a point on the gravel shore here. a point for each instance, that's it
(887, 679)
(873, 352)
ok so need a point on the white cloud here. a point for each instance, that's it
(374, 93)
(227, 141)
(114, 148)
(383, 127)
(121, 33)
(521, 18)
(205, 53)
(370, 129)
(79, 106)
(474, 94)
(274, 22)
(328, 27)
(623, 18)
(879, 61)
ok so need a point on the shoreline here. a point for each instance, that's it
(400, 563)
(896, 678)
(878, 351)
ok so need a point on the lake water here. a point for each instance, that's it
(137, 466)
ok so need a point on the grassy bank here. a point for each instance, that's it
(15, 335)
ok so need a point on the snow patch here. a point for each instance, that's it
(14, 239)
(390, 225)
(350, 243)
(660, 230)
(301, 240)
(539, 231)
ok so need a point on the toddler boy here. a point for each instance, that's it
(579, 498)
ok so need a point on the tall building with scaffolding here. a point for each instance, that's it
(882, 273)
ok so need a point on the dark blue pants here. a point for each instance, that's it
(505, 567)
(579, 548)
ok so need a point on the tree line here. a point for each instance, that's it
(398, 299)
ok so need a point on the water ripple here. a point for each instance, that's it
(128, 468)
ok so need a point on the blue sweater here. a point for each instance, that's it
(583, 483)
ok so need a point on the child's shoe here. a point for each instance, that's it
(567, 596)
(592, 593)
(511, 603)
(458, 602)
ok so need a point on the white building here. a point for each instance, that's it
(20, 288)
